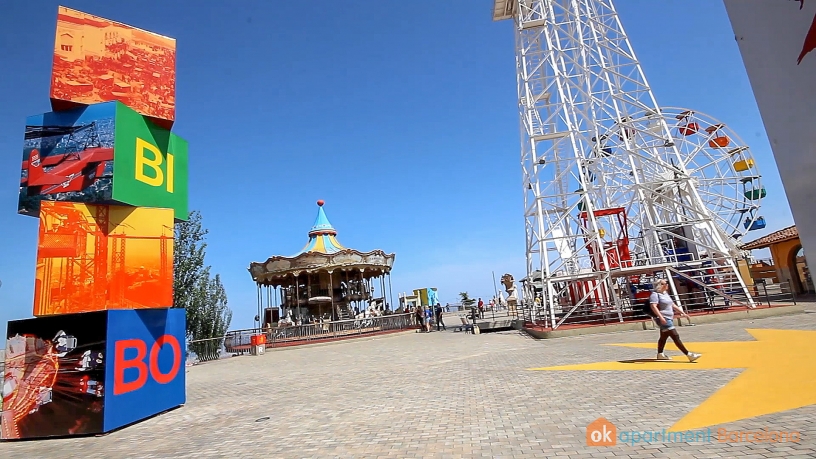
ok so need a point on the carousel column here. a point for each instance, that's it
(382, 289)
(259, 302)
(275, 305)
(390, 290)
(364, 290)
(308, 291)
(331, 294)
(296, 276)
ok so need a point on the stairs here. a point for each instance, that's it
(710, 284)
(345, 314)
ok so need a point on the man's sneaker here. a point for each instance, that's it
(663, 356)
(693, 356)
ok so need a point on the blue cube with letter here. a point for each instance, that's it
(92, 372)
(147, 375)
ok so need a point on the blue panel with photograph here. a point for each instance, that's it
(68, 156)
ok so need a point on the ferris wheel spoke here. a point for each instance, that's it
(733, 200)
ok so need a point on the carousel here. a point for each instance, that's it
(325, 281)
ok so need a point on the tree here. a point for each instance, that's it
(204, 298)
(467, 301)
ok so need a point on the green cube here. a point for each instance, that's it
(150, 164)
(103, 153)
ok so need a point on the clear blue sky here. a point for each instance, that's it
(401, 115)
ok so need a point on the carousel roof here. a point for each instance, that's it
(322, 236)
(323, 252)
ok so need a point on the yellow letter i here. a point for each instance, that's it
(169, 172)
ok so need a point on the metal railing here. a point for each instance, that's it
(204, 350)
(237, 340)
(240, 341)
(698, 302)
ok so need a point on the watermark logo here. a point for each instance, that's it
(758, 436)
(601, 432)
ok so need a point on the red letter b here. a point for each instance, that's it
(120, 365)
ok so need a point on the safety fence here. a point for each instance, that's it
(699, 302)
(241, 341)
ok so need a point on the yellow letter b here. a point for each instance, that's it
(142, 161)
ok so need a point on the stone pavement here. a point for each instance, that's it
(442, 394)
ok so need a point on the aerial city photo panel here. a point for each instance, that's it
(68, 156)
(96, 60)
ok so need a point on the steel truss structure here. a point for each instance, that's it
(607, 192)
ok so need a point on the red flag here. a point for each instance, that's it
(810, 41)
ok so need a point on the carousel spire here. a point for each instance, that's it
(322, 236)
(321, 224)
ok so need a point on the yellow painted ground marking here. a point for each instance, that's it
(780, 374)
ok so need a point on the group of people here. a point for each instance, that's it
(491, 305)
(661, 303)
(427, 316)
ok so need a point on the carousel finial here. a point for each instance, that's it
(320, 202)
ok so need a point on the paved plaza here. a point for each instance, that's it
(448, 394)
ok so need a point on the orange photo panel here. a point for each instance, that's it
(98, 60)
(93, 257)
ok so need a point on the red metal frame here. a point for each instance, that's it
(617, 251)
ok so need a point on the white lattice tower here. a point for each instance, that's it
(580, 88)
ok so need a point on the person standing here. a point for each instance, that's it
(439, 321)
(663, 308)
(420, 317)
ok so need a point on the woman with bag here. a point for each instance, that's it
(663, 308)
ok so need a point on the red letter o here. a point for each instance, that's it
(164, 378)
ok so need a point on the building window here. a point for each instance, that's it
(66, 47)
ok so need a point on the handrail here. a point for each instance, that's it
(308, 332)
(328, 322)
(709, 288)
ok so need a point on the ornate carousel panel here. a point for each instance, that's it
(92, 258)
(98, 60)
(54, 377)
(104, 154)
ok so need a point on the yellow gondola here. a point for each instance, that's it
(744, 165)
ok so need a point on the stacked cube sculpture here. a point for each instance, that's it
(107, 179)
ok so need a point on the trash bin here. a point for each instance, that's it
(257, 344)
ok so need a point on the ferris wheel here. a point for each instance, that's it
(615, 186)
(721, 166)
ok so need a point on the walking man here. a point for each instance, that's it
(663, 309)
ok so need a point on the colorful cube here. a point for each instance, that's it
(103, 154)
(98, 257)
(98, 60)
(90, 373)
